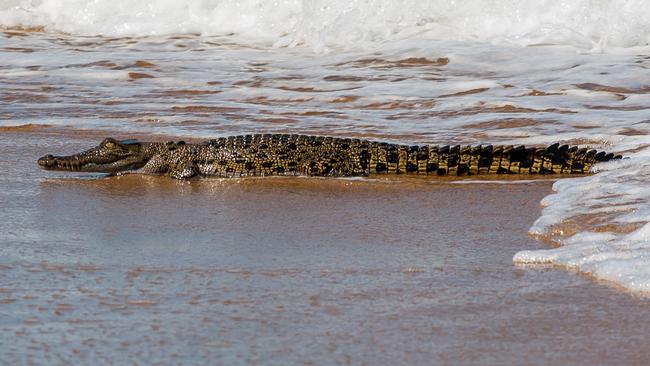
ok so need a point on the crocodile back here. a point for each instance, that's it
(280, 154)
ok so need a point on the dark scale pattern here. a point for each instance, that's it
(327, 156)
(278, 154)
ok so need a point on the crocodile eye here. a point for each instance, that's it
(109, 143)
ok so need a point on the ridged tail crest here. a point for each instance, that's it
(483, 159)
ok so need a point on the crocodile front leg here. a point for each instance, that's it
(184, 171)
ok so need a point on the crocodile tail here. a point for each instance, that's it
(480, 160)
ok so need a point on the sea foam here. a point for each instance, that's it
(321, 25)
(618, 248)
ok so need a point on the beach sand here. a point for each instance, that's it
(141, 269)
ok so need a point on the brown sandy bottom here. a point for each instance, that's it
(149, 270)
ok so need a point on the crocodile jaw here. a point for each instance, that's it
(111, 156)
(75, 164)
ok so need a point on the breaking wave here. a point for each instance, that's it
(322, 25)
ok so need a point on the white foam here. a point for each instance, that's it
(620, 190)
(587, 24)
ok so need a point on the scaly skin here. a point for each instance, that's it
(261, 155)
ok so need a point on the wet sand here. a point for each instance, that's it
(287, 271)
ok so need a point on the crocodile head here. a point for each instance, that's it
(111, 156)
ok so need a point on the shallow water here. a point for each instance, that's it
(288, 270)
(412, 90)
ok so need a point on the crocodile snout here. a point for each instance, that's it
(47, 161)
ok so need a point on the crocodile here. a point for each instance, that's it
(282, 154)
